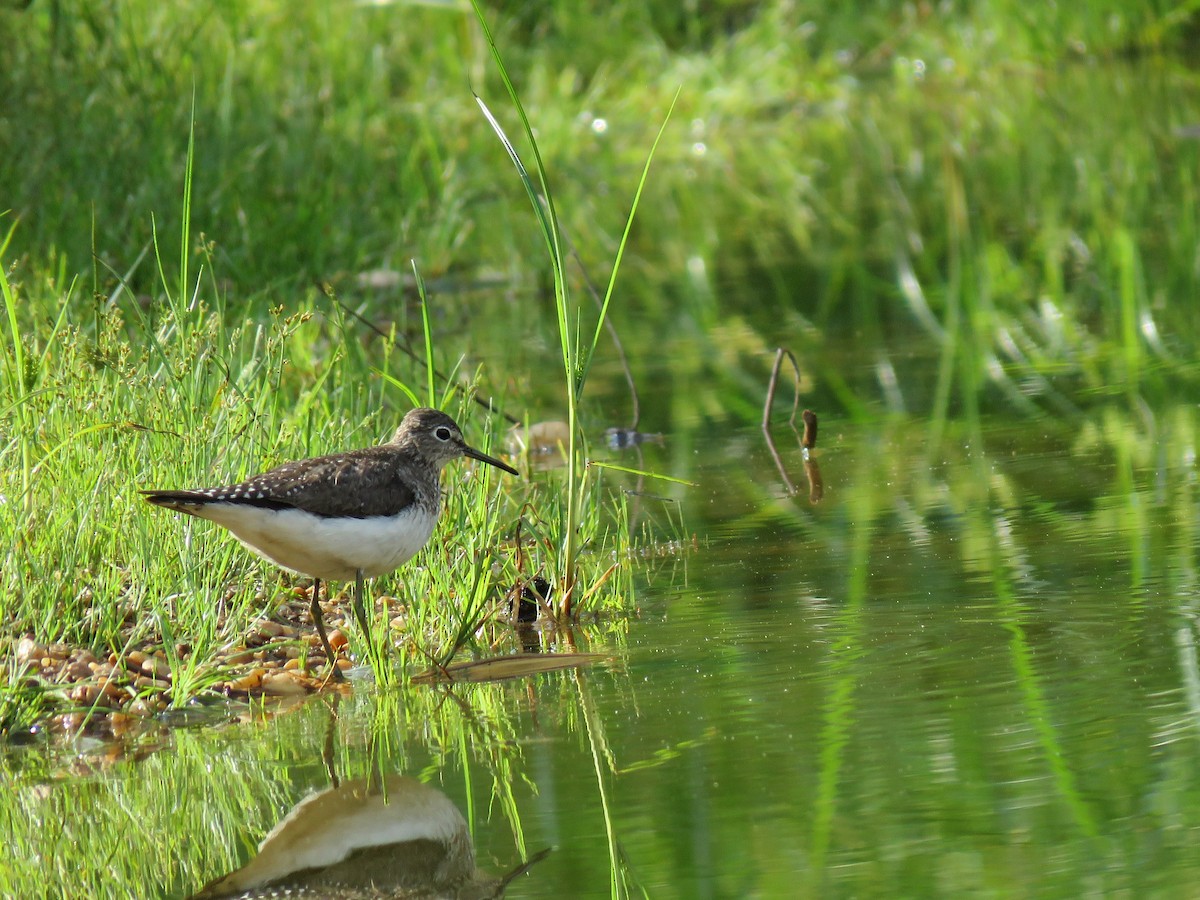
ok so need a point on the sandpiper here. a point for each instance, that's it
(348, 515)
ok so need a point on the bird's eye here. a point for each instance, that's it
(442, 433)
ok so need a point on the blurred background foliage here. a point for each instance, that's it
(1021, 176)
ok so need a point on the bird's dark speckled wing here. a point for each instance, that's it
(358, 484)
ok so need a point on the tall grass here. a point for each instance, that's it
(578, 349)
(177, 396)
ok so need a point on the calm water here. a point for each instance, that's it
(969, 671)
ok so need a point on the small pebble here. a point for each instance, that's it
(270, 629)
(248, 682)
(106, 670)
(141, 706)
(282, 684)
(29, 651)
(84, 694)
(112, 691)
(156, 667)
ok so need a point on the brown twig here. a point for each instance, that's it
(780, 353)
(808, 441)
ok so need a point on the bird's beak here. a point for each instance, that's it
(490, 460)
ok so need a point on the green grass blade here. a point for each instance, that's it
(16, 375)
(556, 250)
(185, 224)
(545, 221)
(613, 467)
(612, 278)
(431, 392)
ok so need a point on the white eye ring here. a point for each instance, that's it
(442, 433)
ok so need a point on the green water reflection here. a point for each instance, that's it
(970, 670)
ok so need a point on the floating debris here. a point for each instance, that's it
(501, 668)
(624, 438)
(810, 430)
(538, 439)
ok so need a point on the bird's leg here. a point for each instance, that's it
(318, 620)
(360, 612)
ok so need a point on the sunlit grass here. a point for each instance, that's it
(183, 397)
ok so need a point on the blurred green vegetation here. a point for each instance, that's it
(861, 167)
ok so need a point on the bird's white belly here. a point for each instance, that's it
(329, 548)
